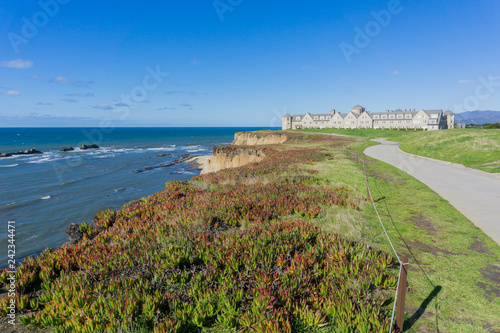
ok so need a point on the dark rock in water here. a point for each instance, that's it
(92, 146)
(22, 152)
(164, 165)
(66, 149)
(161, 155)
(74, 233)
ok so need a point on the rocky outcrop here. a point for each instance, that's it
(74, 233)
(259, 138)
(66, 149)
(224, 157)
(164, 165)
(22, 152)
(92, 146)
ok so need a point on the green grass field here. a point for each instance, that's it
(475, 148)
(453, 277)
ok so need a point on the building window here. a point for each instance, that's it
(315, 118)
(407, 116)
(391, 116)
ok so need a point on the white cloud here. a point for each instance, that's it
(35, 77)
(76, 83)
(395, 73)
(463, 81)
(69, 100)
(18, 63)
(10, 93)
(493, 78)
(60, 79)
(103, 107)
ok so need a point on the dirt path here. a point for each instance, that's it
(475, 193)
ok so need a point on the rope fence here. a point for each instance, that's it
(399, 298)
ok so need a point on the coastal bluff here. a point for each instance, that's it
(224, 157)
(259, 138)
(240, 152)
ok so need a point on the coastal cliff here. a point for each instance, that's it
(259, 138)
(224, 157)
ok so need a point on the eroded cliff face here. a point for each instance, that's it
(224, 157)
(259, 138)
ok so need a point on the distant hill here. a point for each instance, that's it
(478, 117)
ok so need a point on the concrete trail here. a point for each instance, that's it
(475, 193)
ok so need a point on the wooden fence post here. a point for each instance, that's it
(400, 306)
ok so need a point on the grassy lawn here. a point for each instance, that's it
(475, 148)
(453, 277)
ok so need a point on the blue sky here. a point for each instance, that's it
(241, 63)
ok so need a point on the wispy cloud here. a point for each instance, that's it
(493, 78)
(35, 77)
(18, 64)
(395, 73)
(76, 83)
(195, 62)
(43, 103)
(103, 107)
(174, 92)
(89, 95)
(463, 81)
(74, 94)
(343, 78)
(10, 93)
(59, 79)
(69, 100)
(121, 104)
(186, 105)
(165, 109)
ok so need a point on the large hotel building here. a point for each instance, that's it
(358, 117)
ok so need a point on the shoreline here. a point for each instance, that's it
(197, 162)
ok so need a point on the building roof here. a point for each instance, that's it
(358, 107)
(287, 115)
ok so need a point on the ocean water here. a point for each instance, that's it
(44, 193)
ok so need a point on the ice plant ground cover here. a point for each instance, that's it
(231, 251)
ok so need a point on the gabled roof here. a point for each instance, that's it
(448, 112)
(429, 112)
(357, 107)
(287, 115)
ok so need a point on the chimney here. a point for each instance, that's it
(332, 112)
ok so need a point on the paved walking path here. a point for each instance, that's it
(475, 193)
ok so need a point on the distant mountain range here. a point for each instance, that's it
(478, 117)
